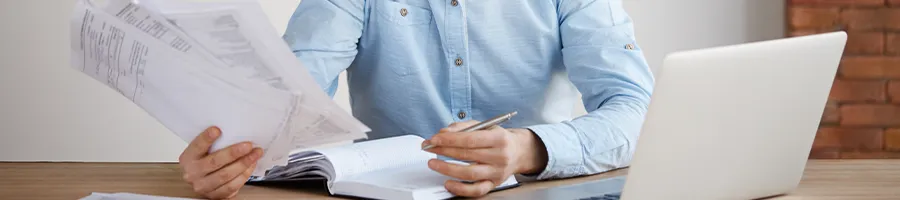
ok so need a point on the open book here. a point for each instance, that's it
(389, 168)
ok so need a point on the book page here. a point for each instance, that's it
(416, 180)
(416, 176)
(368, 156)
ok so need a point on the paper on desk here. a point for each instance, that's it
(127, 196)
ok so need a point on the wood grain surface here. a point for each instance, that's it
(823, 179)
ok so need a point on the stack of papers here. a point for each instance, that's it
(192, 65)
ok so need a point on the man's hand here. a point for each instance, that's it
(217, 175)
(495, 153)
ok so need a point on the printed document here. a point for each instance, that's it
(209, 64)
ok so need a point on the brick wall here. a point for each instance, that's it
(862, 118)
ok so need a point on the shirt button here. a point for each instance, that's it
(454, 2)
(461, 114)
(403, 12)
(459, 61)
(629, 46)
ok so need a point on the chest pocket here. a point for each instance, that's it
(402, 36)
(402, 14)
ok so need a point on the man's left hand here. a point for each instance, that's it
(495, 155)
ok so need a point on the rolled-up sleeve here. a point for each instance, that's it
(606, 64)
(323, 35)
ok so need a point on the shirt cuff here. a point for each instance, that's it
(563, 159)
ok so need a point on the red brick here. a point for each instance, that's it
(848, 139)
(832, 113)
(838, 2)
(813, 17)
(858, 91)
(892, 140)
(892, 45)
(871, 43)
(892, 21)
(870, 67)
(871, 115)
(857, 19)
(870, 155)
(893, 91)
(824, 154)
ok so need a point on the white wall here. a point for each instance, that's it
(665, 26)
(49, 112)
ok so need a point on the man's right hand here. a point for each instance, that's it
(217, 175)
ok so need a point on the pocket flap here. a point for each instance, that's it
(402, 14)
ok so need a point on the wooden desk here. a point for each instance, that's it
(824, 179)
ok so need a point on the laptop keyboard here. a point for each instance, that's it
(611, 196)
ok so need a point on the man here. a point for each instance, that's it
(426, 66)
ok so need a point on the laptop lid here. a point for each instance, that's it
(734, 122)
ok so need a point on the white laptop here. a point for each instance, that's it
(733, 122)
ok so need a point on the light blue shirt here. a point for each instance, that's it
(415, 66)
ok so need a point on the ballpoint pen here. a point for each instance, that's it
(485, 124)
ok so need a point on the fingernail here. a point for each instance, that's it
(432, 164)
(244, 148)
(213, 133)
(256, 155)
(435, 141)
(450, 185)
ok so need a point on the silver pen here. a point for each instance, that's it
(485, 124)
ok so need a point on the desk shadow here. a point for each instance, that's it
(771, 197)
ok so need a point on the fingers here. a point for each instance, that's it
(476, 189)
(475, 139)
(225, 174)
(481, 155)
(231, 188)
(453, 127)
(199, 147)
(457, 126)
(218, 159)
(473, 172)
(219, 174)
